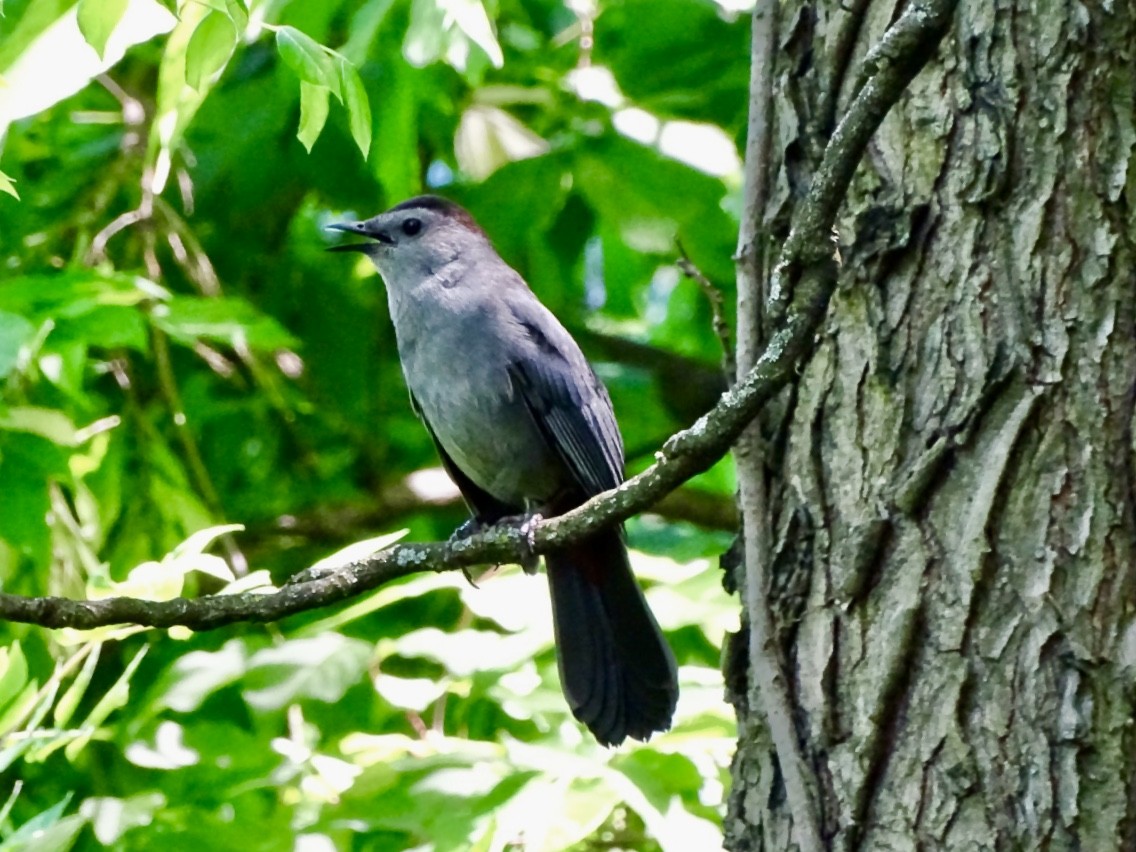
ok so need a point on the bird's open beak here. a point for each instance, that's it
(363, 229)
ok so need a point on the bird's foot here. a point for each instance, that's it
(526, 525)
(469, 528)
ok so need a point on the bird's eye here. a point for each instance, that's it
(411, 227)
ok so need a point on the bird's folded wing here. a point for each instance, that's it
(572, 409)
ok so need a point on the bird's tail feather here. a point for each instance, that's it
(616, 669)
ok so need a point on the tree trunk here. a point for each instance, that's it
(951, 479)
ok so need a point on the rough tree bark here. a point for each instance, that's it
(950, 481)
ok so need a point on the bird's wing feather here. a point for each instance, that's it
(570, 406)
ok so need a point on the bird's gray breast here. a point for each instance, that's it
(456, 362)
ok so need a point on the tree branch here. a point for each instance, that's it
(903, 51)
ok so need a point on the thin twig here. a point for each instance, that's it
(188, 252)
(717, 311)
(97, 252)
(198, 472)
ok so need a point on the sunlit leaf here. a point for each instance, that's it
(110, 818)
(238, 13)
(446, 29)
(47, 831)
(465, 652)
(197, 675)
(209, 49)
(355, 551)
(31, 53)
(426, 37)
(358, 106)
(97, 20)
(69, 701)
(30, 708)
(45, 422)
(8, 185)
(13, 673)
(410, 693)
(151, 581)
(168, 751)
(323, 667)
(488, 138)
(471, 18)
(200, 540)
(308, 59)
(313, 113)
(259, 582)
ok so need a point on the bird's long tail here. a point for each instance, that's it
(616, 669)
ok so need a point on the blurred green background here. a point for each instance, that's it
(178, 352)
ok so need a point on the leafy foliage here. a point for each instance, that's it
(178, 353)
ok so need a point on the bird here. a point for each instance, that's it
(525, 428)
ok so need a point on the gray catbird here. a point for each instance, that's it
(522, 423)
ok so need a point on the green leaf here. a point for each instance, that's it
(199, 541)
(15, 331)
(466, 652)
(58, 837)
(8, 185)
(47, 831)
(65, 708)
(308, 59)
(107, 326)
(199, 674)
(238, 13)
(472, 19)
(45, 422)
(444, 29)
(313, 113)
(323, 667)
(675, 43)
(13, 673)
(72, 294)
(97, 20)
(358, 106)
(114, 698)
(28, 464)
(209, 49)
(38, 704)
(111, 818)
(488, 138)
(45, 60)
(232, 321)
